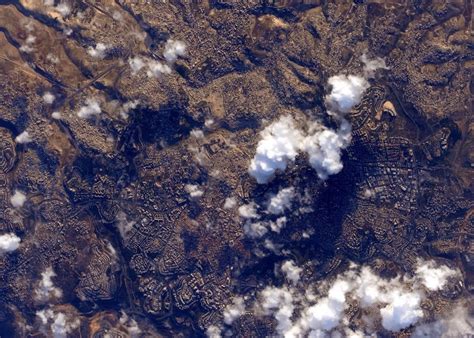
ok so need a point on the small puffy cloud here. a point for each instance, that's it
(57, 324)
(91, 108)
(99, 51)
(48, 98)
(279, 145)
(56, 115)
(23, 138)
(124, 225)
(213, 332)
(248, 210)
(234, 310)
(197, 133)
(230, 202)
(255, 229)
(324, 149)
(432, 277)
(63, 8)
(9, 242)
(346, 92)
(291, 271)
(126, 107)
(277, 225)
(371, 65)
(156, 68)
(278, 203)
(174, 49)
(46, 288)
(18, 199)
(136, 64)
(193, 190)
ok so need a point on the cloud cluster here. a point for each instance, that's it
(282, 140)
(57, 324)
(9, 242)
(124, 225)
(173, 50)
(395, 303)
(91, 108)
(130, 324)
(46, 288)
(18, 199)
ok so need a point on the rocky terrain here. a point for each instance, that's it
(236, 168)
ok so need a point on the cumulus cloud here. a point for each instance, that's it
(278, 203)
(56, 115)
(193, 190)
(291, 271)
(46, 288)
(136, 64)
(23, 138)
(48, 98)
(99, 51)
(403, 310)
(371, 65)
(130, 324)
(234, 311)
(279, 303)
(9, 242)
(63, 8)
(156, 68)
(57, 324)
(279, 145)
(124, 225)
(91, 108)
(230, 202)
(18, 199)
(434, 277)
(213, 332)
(174, 49)
(255, 229)
(346, 92)
(248, 210)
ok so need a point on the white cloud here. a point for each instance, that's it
(279, 302)
(130, 324)
(123, 224)
(402, 311)
(57, 323)
(213, 332)
(18, 199)
(279, 145)
(56, 115)
(91, 108)
(459, 323)
(291, 271)
(23, 138)
(230, 202)
(234, 311)
(197, 133)
(126, 107)
(370, 66)
(278, 203)
(9, 242)
(432, 277)
(48, 98)
(156, 68)
(193, 190)
(324, 149)
(256, 229)
(174, 49)
(63, 8)
(248, 210)
(346, 92)
(99, 51)
(46, 288)
(136, 63)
